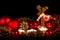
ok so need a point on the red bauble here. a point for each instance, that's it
(13, 34)
(13, 24)
(2, 21)
(9, 28)
(58, 28)
(49, 33)
(33, 25)
(36, 24)
(7, 20)
(16, 32)
(54, 16)
(49, 26)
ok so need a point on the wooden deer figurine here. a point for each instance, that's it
(41, 13)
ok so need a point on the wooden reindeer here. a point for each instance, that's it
(41, 13)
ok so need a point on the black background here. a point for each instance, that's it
(26, 8)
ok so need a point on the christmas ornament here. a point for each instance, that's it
(49, 33)
(14, 24)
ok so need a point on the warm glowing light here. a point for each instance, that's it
(54, 18)
(43, 29)
(31, 30)
(2, 21)
(21, 30)
(14, 24)
(7, 20)
(16, 32)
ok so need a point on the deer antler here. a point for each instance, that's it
(41, 10)
(44, 9)
(38, 8)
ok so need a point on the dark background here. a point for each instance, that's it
(26, 8)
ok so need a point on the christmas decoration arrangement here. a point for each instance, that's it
(44, 25)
